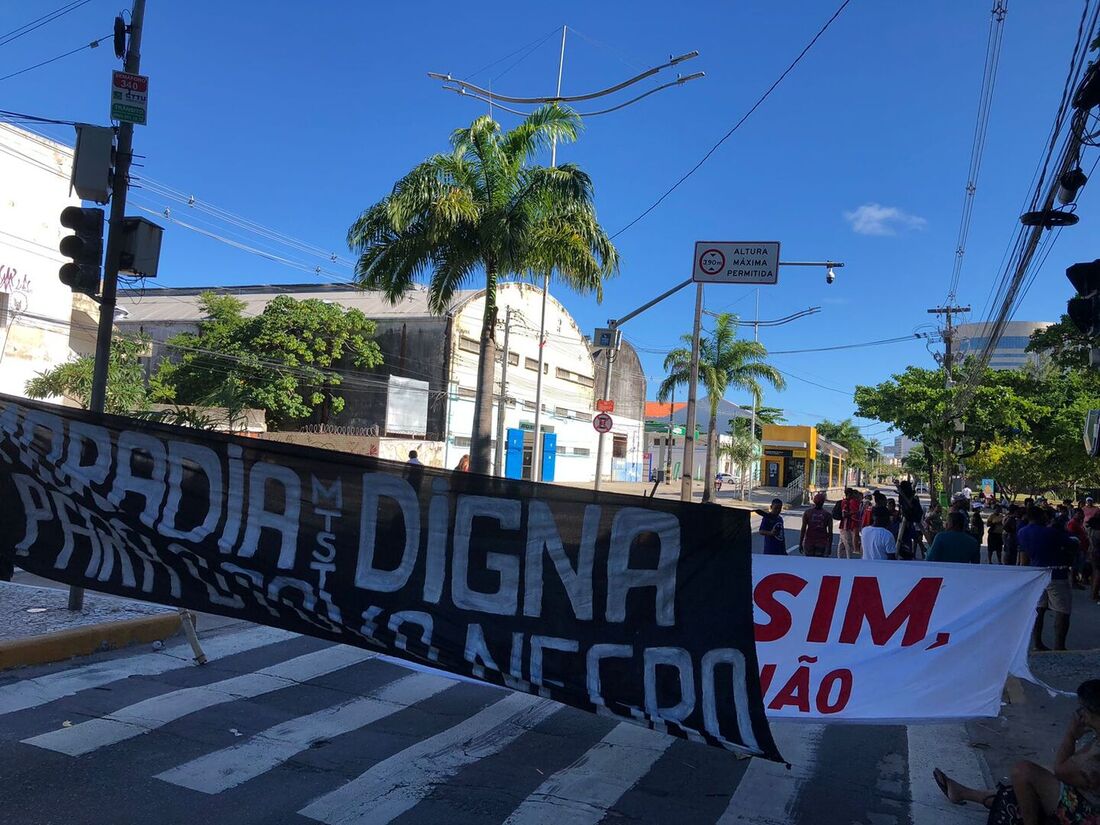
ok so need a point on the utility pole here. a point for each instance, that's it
(498, 456)
(119, 185)
(667, 463)
(536, 453)
(949, 382)
(693, 386)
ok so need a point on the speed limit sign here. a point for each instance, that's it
(602, 423)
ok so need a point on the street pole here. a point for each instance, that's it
(119, 185)
(948, 363)
(666, 463)
(536, 453)
(689, 425)
(752, 427)
(498, 456)
(608, 353)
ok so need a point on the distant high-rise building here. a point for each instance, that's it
(903, 445)
(1010, 352)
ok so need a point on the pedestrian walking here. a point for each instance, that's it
(1049, 546)
(816, 536)
(851, 522)
(771, 528)
(955, 544)
(994, 542)
(877, 541)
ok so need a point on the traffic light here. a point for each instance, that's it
(1084, 310)
(84, 246)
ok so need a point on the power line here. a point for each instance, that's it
(27, 28)
(740, 122)
(913, 337)
(813, 383)
(94, 44)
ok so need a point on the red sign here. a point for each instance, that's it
(605, 406)
(602, 423)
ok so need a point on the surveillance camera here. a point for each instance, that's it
(830, 275)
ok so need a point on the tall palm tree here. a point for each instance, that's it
(485, 210)
(724, 361)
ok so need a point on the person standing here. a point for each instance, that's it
(876, 539)
(1049, 546)
(1008, 528)
(933, 522)
(895, 516)
(1075, 527)
(816, 536)
(413, 458)
(977, 526)
(851, 522)
(912, 514)
(771, 528)
(1093, 527)
(1090, 508)
(463, 465)
(955, 544)
(994, 542)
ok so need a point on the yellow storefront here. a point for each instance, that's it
(797, 455)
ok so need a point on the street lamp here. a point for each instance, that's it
(467, 89)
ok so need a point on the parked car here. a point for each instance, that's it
(724, 478)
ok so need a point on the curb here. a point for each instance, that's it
(80, 641)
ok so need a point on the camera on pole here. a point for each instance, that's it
(84, 246)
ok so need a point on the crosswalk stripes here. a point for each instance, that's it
(582, 793)
(158, 711)
(395, 785)
(587, 780)
(30, 693)
(227, 768)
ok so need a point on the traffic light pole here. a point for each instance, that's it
(120, 184)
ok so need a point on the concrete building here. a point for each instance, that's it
(41, 325)
(430, 363)
(1009, 353)
(661, 446)
(903, 445)
(795, 455)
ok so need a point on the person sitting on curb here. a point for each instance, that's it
(1070, 793)
(955, 543)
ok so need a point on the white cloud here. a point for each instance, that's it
(876, 219)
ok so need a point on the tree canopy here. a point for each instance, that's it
(126, 393)
(289, 360)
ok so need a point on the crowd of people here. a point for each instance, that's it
(1064, 538)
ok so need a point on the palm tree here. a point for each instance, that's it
(724, 362)
(485, 210)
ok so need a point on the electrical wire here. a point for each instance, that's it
(27, 28)
(881, 342)
(739, 123)
(93, 45)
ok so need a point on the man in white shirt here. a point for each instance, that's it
(877, 540)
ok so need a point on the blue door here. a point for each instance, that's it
(549, 455)
(513, 457)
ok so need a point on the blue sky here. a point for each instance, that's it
(297, 117)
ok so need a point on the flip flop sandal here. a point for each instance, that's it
(941, 780)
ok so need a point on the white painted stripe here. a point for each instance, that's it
(30, 693)
(767, 793)
(395, 785)
(946, 747)
(157, 711)
(218, 771)
(581, 793)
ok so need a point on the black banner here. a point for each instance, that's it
(610, 603)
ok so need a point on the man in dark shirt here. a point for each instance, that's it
(1051, 547)
(954, 543)
(771, 528)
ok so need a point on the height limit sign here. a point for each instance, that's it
(736, 262)
(129, 97)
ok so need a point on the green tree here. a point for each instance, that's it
(847, 434)
(764, 415)
(724, 361)
(742, 452)
(485, 209)
(915, 402)
(126, 392)
(286, 361)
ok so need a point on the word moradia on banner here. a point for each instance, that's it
(643, 612)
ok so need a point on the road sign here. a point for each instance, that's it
(607, 338)
(736, 262)
(605, 406)
(129, 97)
(602, 423)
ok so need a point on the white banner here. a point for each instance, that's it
(890, 641)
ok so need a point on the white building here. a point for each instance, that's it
(41, 325)
(1010, 352)
(903, 445)
(439, 354)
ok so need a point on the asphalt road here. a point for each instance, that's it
(286, 729)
